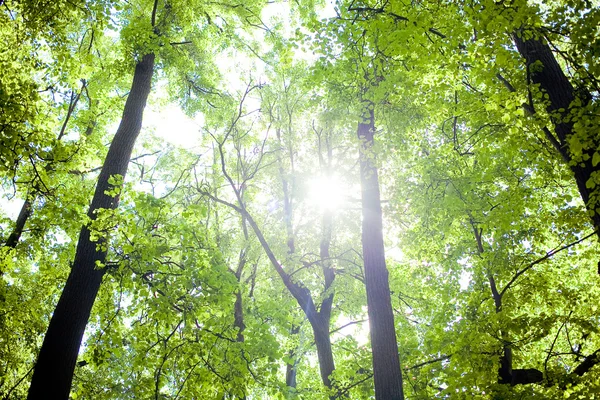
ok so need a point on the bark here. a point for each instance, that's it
(506, 374)
(321, 329)
(53, 372)
(291, 370)
(24, 214)
(587, 363)
(386, 362)
(239, 316)
(551, 79)
(323, 342)
(238, 307)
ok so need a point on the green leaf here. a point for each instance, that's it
(596, 158)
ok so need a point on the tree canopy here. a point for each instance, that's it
(299, 200)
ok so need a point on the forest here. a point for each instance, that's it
(307, 199)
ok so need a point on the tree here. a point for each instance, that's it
(468, 129)
(318, 316)
(54, 369)
(386, 364)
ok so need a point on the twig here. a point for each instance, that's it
(539, 260)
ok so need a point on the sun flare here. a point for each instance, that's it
(326, 192)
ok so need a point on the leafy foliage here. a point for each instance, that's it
(490, 240)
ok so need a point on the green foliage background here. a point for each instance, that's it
(475, 196)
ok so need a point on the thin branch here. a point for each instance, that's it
(7, 396)
(544, 258)
(347, 325)
(433, 361)
(554, 342)
(154, 8)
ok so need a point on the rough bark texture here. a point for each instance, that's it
(386, 362)
(321, 330)
(587, 363)
(53, 372)
(324, 352)
(551, 79)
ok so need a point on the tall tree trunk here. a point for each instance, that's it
(561, 94)
(239, 316)
(386, 362)
(53, 372)
(321, 331)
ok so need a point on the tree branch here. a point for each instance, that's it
(544, 258)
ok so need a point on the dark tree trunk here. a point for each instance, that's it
(561, 94)
(386, 362)
(324, 352)
(53, 372)
(291, 368)
(24, 214)
(238, 308)
(239, 316)
(319, 318)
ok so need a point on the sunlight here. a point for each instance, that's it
(326, 192)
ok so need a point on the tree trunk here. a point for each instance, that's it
(24, 214)
(239, 316)
(305, 301)
(53, 372)
(386, 363)
(321, 324)
(291, 368)
(324, 352)
(561, 94)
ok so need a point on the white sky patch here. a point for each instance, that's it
(359, 331)
(172, 125)
(465, 276)
(11, 206)
(465, 280)
(394, 252)
(329, 10)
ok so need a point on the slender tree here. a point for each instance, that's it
(386, 362)
(318, 314)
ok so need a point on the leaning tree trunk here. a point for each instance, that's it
(53, 372)
(386, 362)
(561, 94)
